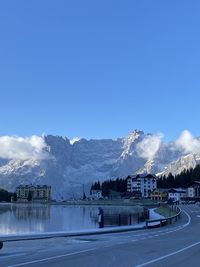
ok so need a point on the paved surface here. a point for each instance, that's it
(175, 245)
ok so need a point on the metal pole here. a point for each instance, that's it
(119, 220)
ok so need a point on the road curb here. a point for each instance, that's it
(71, 233)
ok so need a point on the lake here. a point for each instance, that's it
(40, 218)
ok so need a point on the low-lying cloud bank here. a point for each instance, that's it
(33, 147)
(188, 142)
(150, 145)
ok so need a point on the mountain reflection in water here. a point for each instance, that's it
(30, 218)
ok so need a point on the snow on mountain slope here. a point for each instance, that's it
(129, 161)
(184, 162)
(69, 166)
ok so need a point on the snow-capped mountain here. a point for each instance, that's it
(70, 166)
(184, 162)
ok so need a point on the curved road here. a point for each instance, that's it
(175, 245)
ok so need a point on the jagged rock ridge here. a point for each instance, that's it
(71, 167)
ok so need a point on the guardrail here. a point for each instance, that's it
(163, 221)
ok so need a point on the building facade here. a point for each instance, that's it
(96, 194)
(34, 193)
(193, 191)
(177, 194)
(159, 195)
(144, 183)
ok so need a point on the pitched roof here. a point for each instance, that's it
(142, 175)
(176, 191)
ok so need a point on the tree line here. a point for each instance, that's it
(118, 185)
(184, 179)
(6, 196)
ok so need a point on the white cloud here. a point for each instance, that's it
(34, 147)
(188, 143)
(148, 147)
(75, 139)
(13, 147)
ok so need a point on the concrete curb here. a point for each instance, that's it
(18, 237)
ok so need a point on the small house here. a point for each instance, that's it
(159, 195)
(96, 194)
(176, 194)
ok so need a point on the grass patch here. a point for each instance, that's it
(165, 211)
(109, 202)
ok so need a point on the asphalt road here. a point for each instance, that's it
(175, 245)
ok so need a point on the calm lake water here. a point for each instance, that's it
(30, 218)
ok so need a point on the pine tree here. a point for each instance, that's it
(29, 198)
(84, 196)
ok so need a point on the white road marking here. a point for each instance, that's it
(83, 251)
(189, 219)
(51, 258)
(144, 236)
(175, 252)
(161, 232)
(168, 255)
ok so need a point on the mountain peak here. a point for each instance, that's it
(135, 134)
(67, 167)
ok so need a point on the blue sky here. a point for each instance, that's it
(99, 69)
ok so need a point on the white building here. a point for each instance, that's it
(193, 191)
(96, 194)
(177, 194)
(144, 183)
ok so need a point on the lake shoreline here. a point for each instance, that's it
(118, 202)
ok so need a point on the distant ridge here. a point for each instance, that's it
(68, 166)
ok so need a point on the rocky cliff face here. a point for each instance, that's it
(68, 167)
